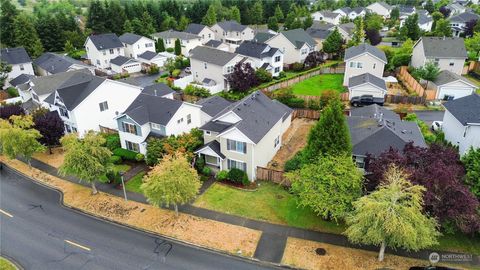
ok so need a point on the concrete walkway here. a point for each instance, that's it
(273, 235)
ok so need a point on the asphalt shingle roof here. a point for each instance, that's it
(211, 55)
(130, 38)
(149, 55)
(175, 34)
(120, 60)
(195, 28)
(446, 76)
(47, 84)
(465, 17)
(106, 41)
(465, 109)
(21, 79)
(255, 49)
(348, 27)
(367, 78)
(298, 37)
(15, 56)
(423, 19)
(322, 25)
(365, 48)
(213, 105)
(152, 109)
(330, 14)
(77, 88)
(55, 63)
(213, 43)
(318, 33)
(444, 47)
(231, 26)
(158, 89)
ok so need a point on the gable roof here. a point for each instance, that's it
(194, 28)
(263, 36)
(106, 41)
(158, 89)
(121, 60)
(406, 9)
(130, 38)
(47, 84)
(255, 49)
(298, 37)
(465, 17)
(465, 109)
(231, 26)
(149, 55)
(348, 27)
(367, 78)
(211, 55)
(443, 47)
(77, 88)
(21, 79)
(215, 146)
(175, 34)
(384, 5)
(423, 18)
(213, 105)
(15, 56)
(330, 14)
(152, 109)
(213, 43)
(446, 76)
(55, 63)
(365, 48)
(322, 25)
(318, 33)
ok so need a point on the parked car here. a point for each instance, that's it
(437, 125)
(188, 70)
(366, 100)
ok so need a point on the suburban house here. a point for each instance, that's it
(122, 64)
(363, 58)
(19, 60)
(204, 32)
(406, 11)
(52, 63)
(211, 106)
(135, 44)
(374, 129)
(448, 53)
(425, 21)
(217, 44)
(319, 31)
(262, 56)
(246, 134)
(351, 13)
(152, 58)
(155, 113)
(187, 41)
(461, 122)
(102, 48)
(452, 86)
(21, 79)
(367, 84)
(319, 35)
(211, 67)
(232, 32)
(459, 22)
(295, 44)
(86, 102)
(381, 8)
(456, 8)
(327, 16)
(263, 36)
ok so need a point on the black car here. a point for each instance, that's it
(366, 100)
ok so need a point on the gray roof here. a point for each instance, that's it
(149, 55)
(446, 76)
(423, 19)
(258, 113)
(130, 38)
(120, 60)
(372, 132)
(465, 17)
(213, 105)
(231, 26)
(406, 9)
(444, 47)
(215, 146)
(47, 84)
(175, 34)
(55, 63)
(195, 28)
(106, 41)
(211, 55)
(330, 14)
(385, 5)
(365, 48)
(322, 25)
(255, 49)
(77, 88)
(158, 89)
(152, 109)
(298, 37)
(348, 27)
(15, 56)
(367, 78)
(318, 33)
(217, 126)
(263, 36)
(21, 79)
(374, 111)
(213, 43)
(465, 109)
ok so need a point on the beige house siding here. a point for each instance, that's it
(371, 65)
(212, 71)
(247, 158)
(290, 53)
(419, 59)
(418, 55)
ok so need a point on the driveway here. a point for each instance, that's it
(430, 116)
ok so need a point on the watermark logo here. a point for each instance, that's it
(434, 257)
(449, 257)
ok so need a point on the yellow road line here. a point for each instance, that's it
(77, 245)
(6, 213)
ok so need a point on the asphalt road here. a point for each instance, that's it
(39, 233)
(430, 116)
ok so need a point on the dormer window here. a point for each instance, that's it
(111, 51)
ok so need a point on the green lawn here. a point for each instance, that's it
(314, 86)
(134, 183)
(6, 264)
(460, 243)
(473, 79)
(117, 168)
(269, 203)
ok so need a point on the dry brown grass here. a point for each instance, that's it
(301, 253)
(199, 231)
(293, 140)
(55, 159)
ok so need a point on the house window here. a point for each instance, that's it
(103, 106)
(236, 146)
(180, 120)
(35, 97)
(359, 161)
(277, 58)
(359, 65)
(205, 65)
(159, 128)
(211, 160)
(132, 146)
(63, 112)
(452, 63)
(111, 51)
(129, 128)
(74, 129)
(277, 69)
(236, 164)
(276, 142)
(230, 69)
(374, 65)
(189, 118)
(22, 67)
(118, 50)
(304, 51)
(208, 133)
(436, 61)
(209, 35)
(68, 129)
(147, 45)
(98, 62)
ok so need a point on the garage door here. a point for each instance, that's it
(132, 68)
(450, 92)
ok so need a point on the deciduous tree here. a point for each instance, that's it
(473, 44)
(50, 127)
(211, 17)
(243, 77)
(235, 14)
(442, 28)
(373, 36)
(314, 59)
(471, 161)
(273, 23)
(278, 14)
(410, 29)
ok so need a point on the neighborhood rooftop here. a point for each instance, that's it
(444, 47)
(231, 26)
(255, 49)
(175, 34)
(55, 63)
(130, 38)
(106, 41)
(298, 37)
(158, 89)
(365, 48)
(446, 76)
(465, 17)
(47, 84)
(211, 55)
(194, 28)
(466, 109)
(21, 79)
(263, 36)
(120, 60)
(148, 55)
(213, 105)
(15, 56)
(367, 78)
(155, 109)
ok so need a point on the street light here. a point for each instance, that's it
(123, 185)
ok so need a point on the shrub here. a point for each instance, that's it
(185, 62)
(263, 75)
(282, 75)
(116, 159)
(222, 175)
(113, 177)
(176, 73)
(112, 141)
(200, 164)
(164, 75)
(295, 162)
(12, 92)
(170, 50)
(154, 69)
(327, 97)
(139, 157)
(196, 91)
(125, 154)
(297, 66)
(206, 171)
(238, 176)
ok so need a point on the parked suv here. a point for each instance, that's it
(366, 100)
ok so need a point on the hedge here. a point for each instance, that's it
(125, 154)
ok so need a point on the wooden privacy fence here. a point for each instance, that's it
(397, 99)
(472, 66)
(414, 85)
(305, 113)
(277, 177)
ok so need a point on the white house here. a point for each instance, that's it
(52, 63)
(246, 135)
(263, 56)
(327, 16)
(425, 21)
(154, 115)
(351, 13)
(102, 48)
(204, 32)
(86, 102)
(295, 44)
(452, 86)
(232, 32)
(363, 58)
(135, 44)
(152, 58)
(367, 84)
(19, 60)
(448, 53)
(187, 41)
(381, 8)
(122, 64)
(458, 23)
(461, 123)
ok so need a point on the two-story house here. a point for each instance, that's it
(381, 8)
(187, 41)
(351, 13)
(211, 66)
(363, 58)
(262, 56)
(211, 106)
(86, 102)
(458, 22)
(102, 48)
(295, 44)
(246, 134)
(154, 113)
(461, 122)
(448, 53)
(204, 32)
(52, 63)
(327, 16)
(19, 60)
(135, 44)
(232, 32)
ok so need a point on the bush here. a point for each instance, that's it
(116, 159)
(238, 176)
(139, 157)
(125, 154)
(200, 164)
(12, 92)
(112, 141)
(176, 73)
(207, 171)
(170, 50)
(282, 75)
(297, 66)
(113, 177)
(154, 69)
(295, 162)
(196, 91)
(164, 75)
(263, 75)
(222, 175)
(185, 62)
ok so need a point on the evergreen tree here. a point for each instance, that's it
(395, 14)
(289, 20)
(429, 6)
(49, 32)
(26, 36)
(279, 14)
(436, 16)
(128, 27)
(334, 43)
(410, 29)
(273, 23)
(148, 24)
(359, 33)
(5, 68)
(183, 23)
(308, 22)
(442, 28)
(137, 26)
(211, 17)
(97, 16)
(159, 45)
(68, 47)
(116, 17)
(8, 12)
(256, 13)
(178, 47)
(235, 14)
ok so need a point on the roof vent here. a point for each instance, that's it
(404, 131)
